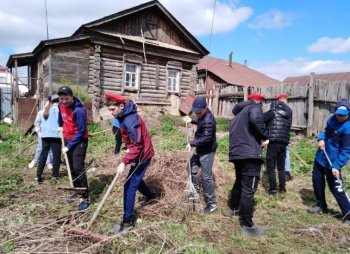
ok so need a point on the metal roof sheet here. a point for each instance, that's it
(236, 74)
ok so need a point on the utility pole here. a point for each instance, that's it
(47, 22)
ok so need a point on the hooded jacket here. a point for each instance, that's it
(205, 136)
(278, 121)
(246, 131)
(73, 119)
(337, 139)
(135, 135)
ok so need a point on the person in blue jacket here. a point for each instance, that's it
(333, 142)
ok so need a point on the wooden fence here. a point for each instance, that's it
(312, 104)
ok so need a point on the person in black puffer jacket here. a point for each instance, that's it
(278, 121)
(247, 136)
(205, 143)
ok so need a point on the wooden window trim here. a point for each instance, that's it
(179, 69)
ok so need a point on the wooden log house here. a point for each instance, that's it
(143, 53)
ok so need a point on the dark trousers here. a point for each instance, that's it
(76, 158)
(204, 163)
(55, 145)
(118, 139)
(319, 176)
(276, 153)
(244, 188)
(135, 183)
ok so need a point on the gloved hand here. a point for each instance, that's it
(335, 172)
(187, 119)
(65, 150)
(127, 151)
(265, 143)
(321, 144)
(188, 147)
(121, 168)
(60, 129)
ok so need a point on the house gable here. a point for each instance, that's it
(150, 21)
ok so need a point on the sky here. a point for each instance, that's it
(278, 38)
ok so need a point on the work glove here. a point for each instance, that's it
(65, 150)
(335, 172)
(265, 143)
(60, 129)
(321, 144)
(187, 119)
(121, 168)
(127, 151)
(189, 148)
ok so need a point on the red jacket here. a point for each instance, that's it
(74, 122)
(135, 135)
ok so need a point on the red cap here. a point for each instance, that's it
(281, 95)
(256, 96)
(115, 97)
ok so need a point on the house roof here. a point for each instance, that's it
(138, 8)
(304, 80)
(2, 68)
(236, 74)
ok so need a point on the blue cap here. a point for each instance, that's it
(342, 110)
(198, 105)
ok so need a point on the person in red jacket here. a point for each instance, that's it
(140, 151)
(72, 120)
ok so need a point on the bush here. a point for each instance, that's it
(222, 124)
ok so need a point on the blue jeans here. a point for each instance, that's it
(319, 176)
(133, 184)
(204, 162)
(39, 148)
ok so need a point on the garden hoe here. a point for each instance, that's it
(340, 187)
(71, 188)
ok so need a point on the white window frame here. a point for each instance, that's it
(174, 87)
(127, 84)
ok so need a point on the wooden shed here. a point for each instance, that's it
(143, 53)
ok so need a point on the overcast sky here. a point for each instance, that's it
(278, 38)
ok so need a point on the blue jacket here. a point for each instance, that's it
(337, 138)
(49, 126)
(205, 136)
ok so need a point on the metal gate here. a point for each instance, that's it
(5, 102)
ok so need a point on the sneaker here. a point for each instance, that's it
(211, 208)
(252, 231)
(83, 206)
(120, 227)
(192, 198)
(38, 180)
(289, 177)
(273, 192)
(347, 222)
(283, 191)
(232, 212)
(49, 166)
(73, 198)
(31, 165)
(316, 209)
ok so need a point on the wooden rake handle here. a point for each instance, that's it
(102, 202)
(67, 162)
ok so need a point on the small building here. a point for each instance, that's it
(228, 83)
(143, 53)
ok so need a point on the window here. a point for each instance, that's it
(2, 79)
(173, 82)
(132, 73)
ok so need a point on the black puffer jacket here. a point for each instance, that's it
(278, 121)
(247, 130)
(205, 136)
